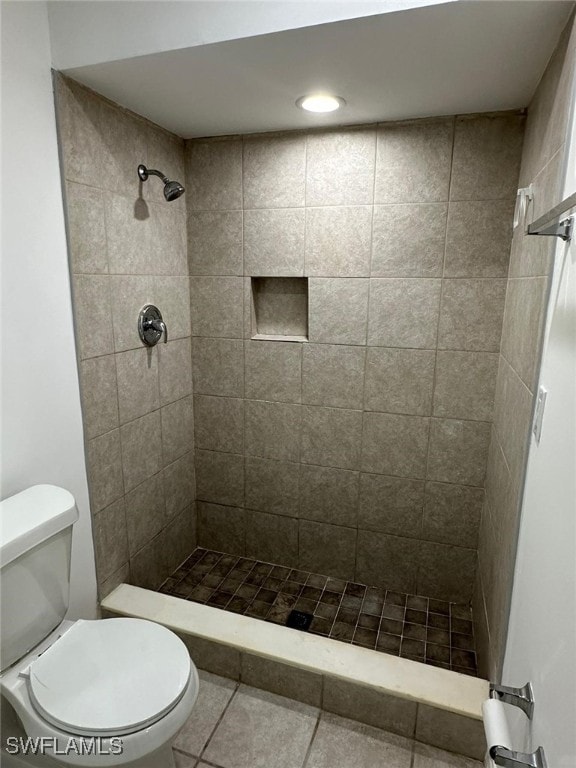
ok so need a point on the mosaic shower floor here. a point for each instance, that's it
(414, 627)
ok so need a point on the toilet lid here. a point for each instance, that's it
(112, 676)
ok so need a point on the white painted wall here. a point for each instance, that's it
(41, 423)
(542, 632)
(94, 32)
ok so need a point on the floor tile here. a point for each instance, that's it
(215, 693)
(341, 743)
(413, 626)
(262, 730)
(184, 761)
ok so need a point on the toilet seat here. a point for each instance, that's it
(109, 677)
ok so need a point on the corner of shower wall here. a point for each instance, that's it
(127, 248)
(543, 163)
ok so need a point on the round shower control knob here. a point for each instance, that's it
(151, 326)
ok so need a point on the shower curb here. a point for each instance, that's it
(432, 705)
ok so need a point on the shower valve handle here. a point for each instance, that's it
(159, 326)
(151, 326)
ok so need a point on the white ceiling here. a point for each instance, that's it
(453, 58)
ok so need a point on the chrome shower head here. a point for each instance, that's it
(172, 189)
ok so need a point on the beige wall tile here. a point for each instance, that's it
(180, 538)
(110, 539)
(458, 451)
(179, 484)
(218, 366)
(99, 395)
(409, 240)
(104, 470)
(124, 139)
(452, 514)
(328, 495)
(214, 657)
(273, 371)
(512, 418)
(86, 229)
(177, 429)
(214, 174)
(273, 430)
(138, 460)
(168, 237)
(369, 706)
(391, 505)
(109, 584)
(331, 437)
(403, 312)
(293, 682)
(399, 380)
(221, 528)
(175, 370)
(478, 238)
(471, 314)
(138, 390)
(338, 241)
(274, 171)
(219, 423)
(338, 309)
(340, 167)
(172, 296)
(272, 538)
(524, 316)
(413, 161)
(327, 549)
(145, 512)
(129, 233)
(215, 242)
(387, 561)
(395, 445)
(216, 306)
(449, 731)
(129, 293)
(149, 566)
(430, 757)
(220, 478)
(274, 242)
(93, 316)
(446, 572)
(486, 160)
(79, 122)
(333, 375)
(465, 385)
(272, 486)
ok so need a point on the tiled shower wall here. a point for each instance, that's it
(530, 269)
(362, 453)
(128, 248)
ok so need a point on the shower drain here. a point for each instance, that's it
(299, 620)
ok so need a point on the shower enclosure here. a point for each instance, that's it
(319, 423)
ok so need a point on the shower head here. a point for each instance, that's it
(172, 189)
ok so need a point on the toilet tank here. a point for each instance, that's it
(35, 545)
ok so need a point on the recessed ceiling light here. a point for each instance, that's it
(320, 102)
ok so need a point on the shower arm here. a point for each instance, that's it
(144, 172)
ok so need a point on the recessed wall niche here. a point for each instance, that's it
(280, 308)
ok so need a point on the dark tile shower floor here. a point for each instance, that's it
(414, 627)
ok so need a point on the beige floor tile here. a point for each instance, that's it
(340, 743)
(215, 693)
(262, 730)
(184, 761)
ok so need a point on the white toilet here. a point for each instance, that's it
(92, 693)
